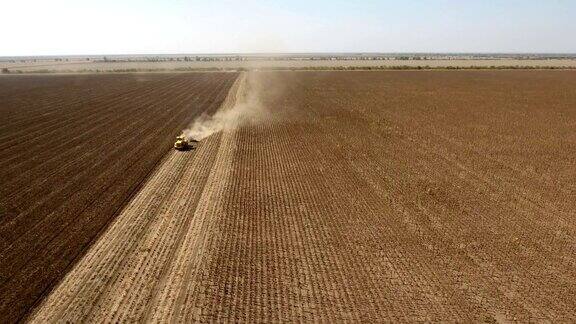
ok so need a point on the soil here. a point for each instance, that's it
(357, 196)
(73, 151)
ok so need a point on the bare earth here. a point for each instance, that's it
(73, 150)
(363, 196)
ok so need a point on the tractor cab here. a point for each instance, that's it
(184, 144)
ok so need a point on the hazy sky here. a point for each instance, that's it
(42, 27)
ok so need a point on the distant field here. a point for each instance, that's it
(73, 150)
(397, 196)
(79, 66)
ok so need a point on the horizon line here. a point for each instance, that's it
(290, 53)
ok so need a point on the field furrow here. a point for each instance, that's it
(399, 196)
(61, 188)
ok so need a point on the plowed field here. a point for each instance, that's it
(361, 196)
(73, 150)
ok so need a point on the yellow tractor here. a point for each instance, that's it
(183, 144)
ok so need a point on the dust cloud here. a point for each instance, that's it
(247, 109)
